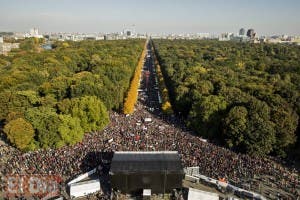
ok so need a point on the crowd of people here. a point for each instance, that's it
(134, 133)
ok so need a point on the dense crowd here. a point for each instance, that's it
(133, 133)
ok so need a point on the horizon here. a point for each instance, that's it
(152, 17)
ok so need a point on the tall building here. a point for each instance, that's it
(1, 39)
(128, 33)
(242, 32)
(251, 33)
(34, 31)
(225, 36)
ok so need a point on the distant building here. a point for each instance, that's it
(111, 36)
(240, 38)
(34, 32)
(242, 32)
(129, 32)
(6, 47)
(1, 39)
(19, 36)
(101, 37)
(141, 36)
(203, 35)
(90, 38)
(225, 36)
(295, 39)
(250, 33)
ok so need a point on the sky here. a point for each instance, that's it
(266, 17)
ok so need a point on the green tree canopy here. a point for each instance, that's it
(259, 84)
(69, 130)
(89, 110)
(235, 125)
(45, 122)
(19, 132)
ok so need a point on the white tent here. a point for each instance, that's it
(80, 186)
(84, 188)
(82, 176)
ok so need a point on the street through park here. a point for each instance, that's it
(147, 129)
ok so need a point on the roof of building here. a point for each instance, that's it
(157, 161)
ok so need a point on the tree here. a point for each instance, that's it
(204, 87)
(259, 84)
(89, 110)
(45, 121)
(234, 126)
(205, 115)
(131, 98)
(286, 122)
(14, 115)
(86, 84)
(259, 136)
(285, 119)
(260, 133)
(4, 104)
(17, 102)
(167, 108)
(59, 87)
(60, 92)
(69, 130)
(165, 105)
(19, 132)
(3, 63)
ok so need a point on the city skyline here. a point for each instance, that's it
(165, 16)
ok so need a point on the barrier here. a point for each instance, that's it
(193, 173)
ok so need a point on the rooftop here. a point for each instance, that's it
(130, 162)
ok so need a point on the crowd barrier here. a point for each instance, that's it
(193, 174)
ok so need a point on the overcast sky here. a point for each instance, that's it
(152, 16)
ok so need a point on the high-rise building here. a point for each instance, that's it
(34, 31)
(1, 39)
(242, 32)
(128, 33)
(225, 36)
(251, 33)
